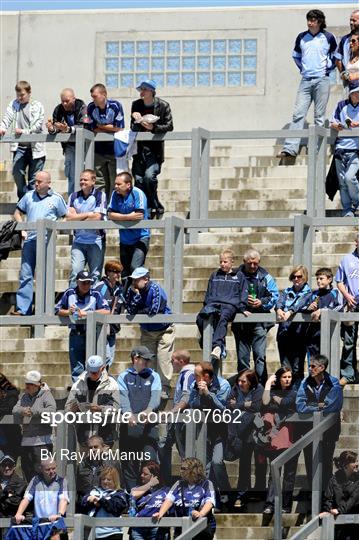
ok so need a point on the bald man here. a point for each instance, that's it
(67, 116)
(342, 54)
(41, 203)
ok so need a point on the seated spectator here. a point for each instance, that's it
(346, 116)
(10, 434)
(49, 494)
(325, 297)
(111, 289)
(76, 303)
(129, 203)
(94, 391)
(321, 391)
(291, 335)
(226, 296)
(106, 500)
(89, 470)
(12, 487)
(147, 297)
(246, 397)
(211, 392)
(193, 495)
(176, 432)
(140, 392)
(24, 115)
(262, 297)
(67, 116)
(87, 204)
(36, 436)
(275, 434)
(148, 497)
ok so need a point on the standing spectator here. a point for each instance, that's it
(104, 116)
(129, 203)
(320, 391)
(226, 296)
(149, 496)
(150, 154)
(346, 116)
(262, 297)
(246, 397)
(36, 436)
(278, 402)
(106, 500)
(192, 495)
(10, 434)
(147, 297)
(48, 491)
(176, 432)
(24, 115)
(12, 487)
(325, 297)
(94, 391)
(351, 73)
(67, 116)
(111, 289)
(76, 303)
(314, 55)
(342, 54)
(41, 203)
(140, 392)
(347, 278)
(211, 392)
(88, 204)
(291, 335)
(95, 461)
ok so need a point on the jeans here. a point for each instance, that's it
(251, 336)
(105, 166)
(22, 159)
(69, 153)
(110, 349)
(145, 168)
(24, 294)
(215, 468)
(77, 353)
(91, 254)
(347, 167)
(225, 315)
(348, 362)
(316, 90)
(133, 255)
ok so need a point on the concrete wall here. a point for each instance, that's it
(58, 48)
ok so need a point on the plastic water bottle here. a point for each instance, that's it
(75, 314)
(132, 510)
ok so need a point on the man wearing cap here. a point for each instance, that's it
(129, 203)
(12, 487)
(87, 204)
(76, 303)
(150, 154)
(346, 116)
(148, 298)
(140, 392)
(95, 391)
(104, 116)
(36, 436)
(41, 203)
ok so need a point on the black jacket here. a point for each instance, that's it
(164, 124)
(342, 493)
(10, 240)
(228, 288)
(60, 115)
(11, 495)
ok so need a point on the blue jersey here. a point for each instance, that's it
(314, 55)
(139, 390)
(343, 51)
(46, 496)
(152, 300)
(134, 201)
(186, 498)
(94, 202)
(92, 301)
(151, 502)
(345, 109)
(111, 114)
(52, 206)
(183, 384)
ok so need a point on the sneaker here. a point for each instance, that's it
(284, 154)
(238, 503)
(268, 510)
(16, 313)
(349, 214)
(216, 353)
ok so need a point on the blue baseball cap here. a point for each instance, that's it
(139, 272)
(353, 87)
(94, 363)
(147, 83)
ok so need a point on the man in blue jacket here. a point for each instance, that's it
(226, 295)
(147, 297)
(320, 391)
(140, 392)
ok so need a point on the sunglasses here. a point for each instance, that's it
(297, 277)
(354, 41)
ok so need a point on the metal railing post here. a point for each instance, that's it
(50, 269)
(190, 441)
(321, 172)
(335, 352)
(312, 169)
(168, 258)
(101, 336)
(207, 337)
(90, 334)
(276, 479)
(89, 144)
(298, 239)
(40, 273)
(303, 241)
(317, 461)
(328, 528)
(178, 266)
(325, 332)
(195, 182)
(205, 144)
(79, 155)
